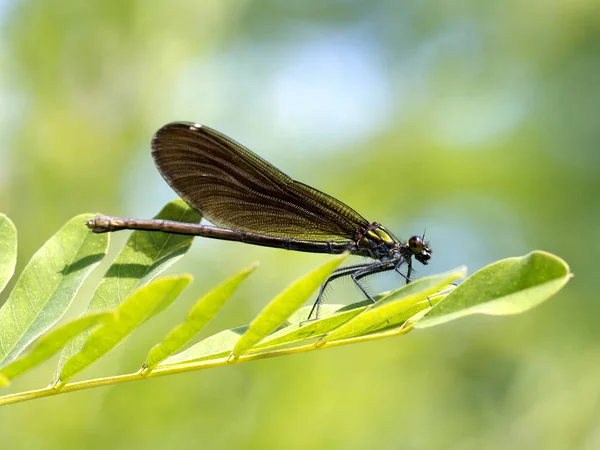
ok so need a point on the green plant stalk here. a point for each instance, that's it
(186, 367)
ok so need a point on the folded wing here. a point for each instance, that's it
(234, 188)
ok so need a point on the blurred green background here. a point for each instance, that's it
(476, 120)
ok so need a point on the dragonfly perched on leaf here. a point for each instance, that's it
(249, 200)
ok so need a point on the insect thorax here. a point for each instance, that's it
(376, 242)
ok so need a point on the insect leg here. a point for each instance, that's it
(370, 270)
(338, 273)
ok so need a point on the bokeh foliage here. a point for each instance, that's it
(477, 120)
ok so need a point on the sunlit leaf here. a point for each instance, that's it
(398, 306)
(144, 256)
(509, 286)
(8, 250)
(222, 343)
(311, 329)
(284, 305)
(216, 346)
(134, 311)
(200, 314)
(298, 330)
(48, 285)
(332, 316)
(51, 343)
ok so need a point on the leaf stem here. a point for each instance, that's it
(186, 367)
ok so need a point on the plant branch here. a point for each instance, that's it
(186, 367)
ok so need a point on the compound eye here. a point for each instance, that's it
(415, 244)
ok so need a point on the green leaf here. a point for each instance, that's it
(312, 329)
(200, 314)
(8, 250)
(135, 310)
(282, 306)
(395, 308)
(509, 286)
(216, 346)
(222, 343)
(50, 344)
(48, 285)
(145, 255)
(332, 316)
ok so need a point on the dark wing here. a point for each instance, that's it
(236, 189)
